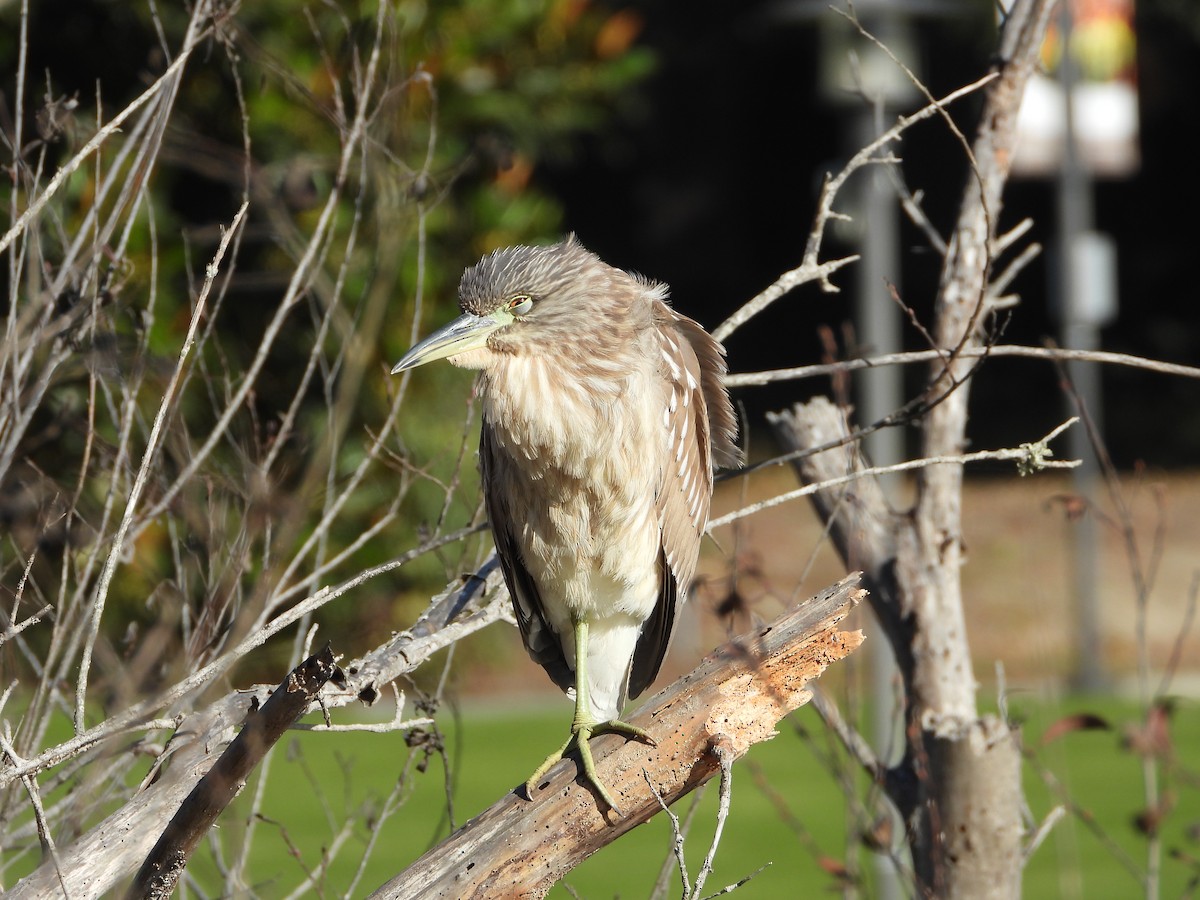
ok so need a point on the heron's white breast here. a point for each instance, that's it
(585, 452)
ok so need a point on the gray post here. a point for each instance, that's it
(1084, 282)
(879, 392)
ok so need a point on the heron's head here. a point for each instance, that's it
(525, 298)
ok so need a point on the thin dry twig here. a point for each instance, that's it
(143, 475)
(45, 834)
(133, 717)
(1043, 831)
(1103, 357)
(810, 269)
(163, 82)
(677, 836)
(14, 628)
(397, 723)
(1185, 627)
(722, 749)
(1030, 457)
(662, 882)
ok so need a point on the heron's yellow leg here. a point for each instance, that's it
(583, 726)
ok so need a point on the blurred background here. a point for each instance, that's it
(687, 142)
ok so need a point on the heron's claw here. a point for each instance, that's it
(580, 735)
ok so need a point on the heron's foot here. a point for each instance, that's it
(581, 733)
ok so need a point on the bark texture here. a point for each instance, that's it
(263, 727)
(959, 793)
(733, 699)
(95, 863)
(958, 785)
(114, 848)
(978, 798)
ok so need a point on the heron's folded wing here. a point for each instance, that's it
(685, 479)
(540, 640)
(722, 422)
(655, 636)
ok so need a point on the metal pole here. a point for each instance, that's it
(1079, 332)
(880, 392)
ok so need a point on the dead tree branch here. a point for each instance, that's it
(733, 699)
(96, 862)
(116, 846)
(958, 784)
(262, 729)
(870, 536)
(810, 268)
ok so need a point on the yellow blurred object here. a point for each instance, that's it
(1103, 47)
(618, 33)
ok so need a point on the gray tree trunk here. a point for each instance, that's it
(958, 785)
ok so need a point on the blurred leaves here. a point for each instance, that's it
(469, 99)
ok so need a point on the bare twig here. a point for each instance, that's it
(810, 269)
(13, 628)
(741, 882)
(1193, 594)
(1043, 831)
(854, 743)
(397, 723)
(677, 836)
(139, 484)
(300, 276)
(131, 718)
(39, 813)
(1104, 357)
(722, 749)
(1030, 457)
(165, 81)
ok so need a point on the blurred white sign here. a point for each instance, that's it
(1103, 102)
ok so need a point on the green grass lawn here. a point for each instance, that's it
(788, 810)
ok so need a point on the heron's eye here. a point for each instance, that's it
(520, 305)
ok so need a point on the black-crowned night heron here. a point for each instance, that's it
(604, 413)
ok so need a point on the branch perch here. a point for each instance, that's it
(732, 700)
(263, 728)
(114, 847)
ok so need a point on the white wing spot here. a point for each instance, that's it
(671, 362)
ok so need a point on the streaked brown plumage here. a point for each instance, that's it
(604, 414)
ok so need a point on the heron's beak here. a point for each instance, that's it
(467, 332)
